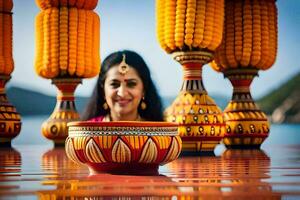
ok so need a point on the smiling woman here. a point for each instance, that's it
(124, 91)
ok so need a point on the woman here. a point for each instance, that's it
(124, 91)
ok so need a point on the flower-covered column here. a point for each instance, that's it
(67, 50)
(10, 120)
(191, 30)
(249, 44)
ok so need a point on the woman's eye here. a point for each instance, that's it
(115, 84)
(131, 84)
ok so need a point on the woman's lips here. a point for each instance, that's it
(123, 102)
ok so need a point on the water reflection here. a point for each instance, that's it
(73, 181)
(103, 186)
(57, 165)
(197, 176)
(246, 172)
(236, 174)
(10, 168)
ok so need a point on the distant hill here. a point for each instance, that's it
(30, 102)
(283, 104)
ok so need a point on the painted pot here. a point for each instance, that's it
(123, 147)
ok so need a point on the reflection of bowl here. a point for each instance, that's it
(108, 186)
(123, 146)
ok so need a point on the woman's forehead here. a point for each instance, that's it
(113, 73)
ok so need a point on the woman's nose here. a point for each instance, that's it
(122, 91)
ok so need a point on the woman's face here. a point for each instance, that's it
(123, 92)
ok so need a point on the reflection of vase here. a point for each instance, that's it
(10, 120)
(249, 44)
(201, 124)
(10, 162)
(248, 168)
(237, 174)
(10, 172)
(55, 128)
(199, 174)
(246, 125)
(56, 161)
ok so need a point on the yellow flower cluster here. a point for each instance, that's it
(67, 43)
(6, 38)
(80, 4)
(189, 24)
(250, 35)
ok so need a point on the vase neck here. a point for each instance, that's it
(3, 81)
(192, 71)
(66, 88)
(192, 78)
(241, 81)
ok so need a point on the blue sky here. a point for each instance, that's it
(130, 24)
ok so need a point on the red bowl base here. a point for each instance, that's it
(126, 168)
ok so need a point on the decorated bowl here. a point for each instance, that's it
(123, 147)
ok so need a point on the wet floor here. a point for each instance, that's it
(37, 172)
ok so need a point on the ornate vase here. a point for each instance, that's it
(191, 31)
(67, 50)
(55, 128)
(249, 44)
(10, 120)
(123, 147)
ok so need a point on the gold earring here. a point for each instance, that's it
(143, 104)
(105, 106)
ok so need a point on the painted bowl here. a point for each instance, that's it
(123, 147)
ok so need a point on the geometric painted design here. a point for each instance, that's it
(149, 152)
(173, 152)
(200, 121)
(81, 143)
(71, 152)
(121, 152)
(93, 153)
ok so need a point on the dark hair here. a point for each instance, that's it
(154, 109)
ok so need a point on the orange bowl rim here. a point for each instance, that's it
(122, 124)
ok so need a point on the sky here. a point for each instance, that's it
(130, 24)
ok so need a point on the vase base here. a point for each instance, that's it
(254, 146)
(198, 146)
(130, 169)
(243, 142)
(59, 143)
(5, 144)
(196, 153)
